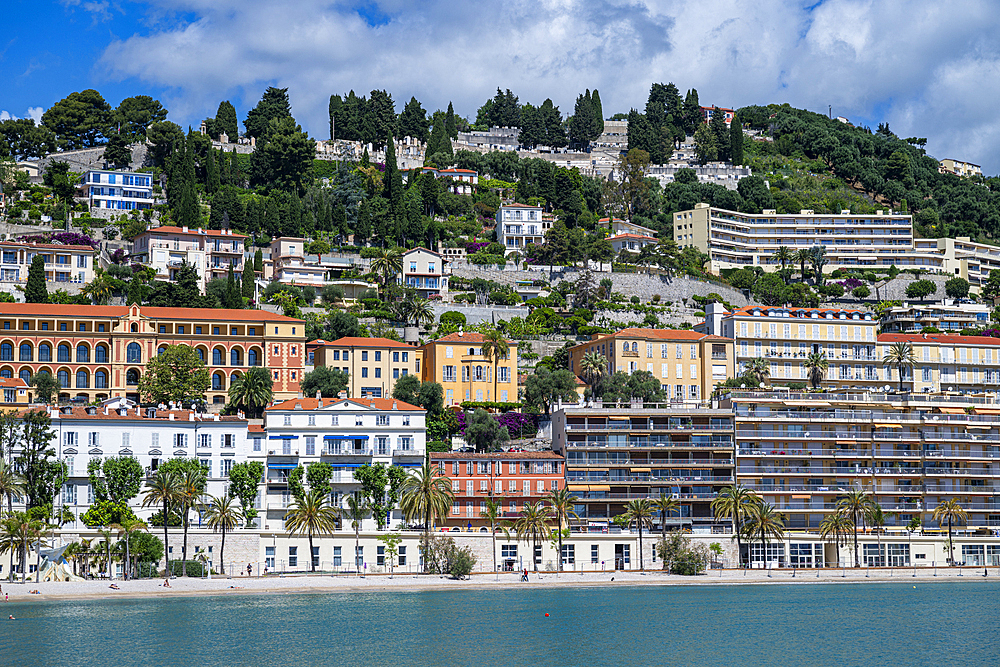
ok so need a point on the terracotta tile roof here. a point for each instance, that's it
(375, 403)
(943, 339)
(655, 334)
(13, 383)
(53, 246)
(355, 341)
(466, 337)
(168, 229)
(255, 428)
(487, 456)
(152, 312)
(517, 205)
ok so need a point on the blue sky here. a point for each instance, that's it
(929, 69)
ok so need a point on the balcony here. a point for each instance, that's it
(403, 453)
(337, 451)
(624, 425)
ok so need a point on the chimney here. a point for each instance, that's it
(215, 417)
(191, 416)
(342, 394)
(170, 416)
(185, 228)
(394, 405)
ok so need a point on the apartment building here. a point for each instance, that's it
(946, 363)
(706, 114)
(118, 190)
(802, 452)
(688, 364)
(514, 479)
(98, 352)
(424, 271)
(372, 364)
(457, 362)
(72, 264)
(209, 251)
(520, 224)
(959, 168)
(345, 433)
(617, 454)
(616, 226)
(948, 316)
(962, 257)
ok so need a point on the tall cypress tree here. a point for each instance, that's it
(232, 297)
(35, 290)
(248, 280)
(736, 141)
(258, 261)
(449, 123)
(720, 132)
(212, 180)
(225, 121)
(596, 116)
(394, 186)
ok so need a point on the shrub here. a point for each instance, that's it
(861, 292)
(677, 552)
(194, 568)
(634, 300)
(920, 289)
(443, 556)
(369, 253)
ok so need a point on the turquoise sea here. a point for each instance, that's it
(799, 626)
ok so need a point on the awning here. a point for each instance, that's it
(801, 497)
(283, 437)
(952, 411)
(641, 469)
(809, 404)
(578, 487)
(985, 426)
(409, 465)
(888, 426)
(345, 437)
(597, 469)
(986, 411)
(600, 487)
(282, 466)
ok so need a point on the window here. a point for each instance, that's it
(568, 554)
(269, 558)
(205, 440)
(101, 354)
(197, 331)
(26, 352)
(293, 556)
(82, 354)
(93, 439)
(133, 354)
(257, 444)
(508, 551)
(594, 553)
(359, 557)
(378, 372)
(378, 355)
(310, 445)
(63, 377)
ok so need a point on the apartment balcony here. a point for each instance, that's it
(337, 451)
(952, 454)
(678, 480)
(956, 490)
(406, 453)
(608, 444)
(628, 426)
(657, 463)
(629, 353)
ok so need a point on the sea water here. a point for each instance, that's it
(718, 626)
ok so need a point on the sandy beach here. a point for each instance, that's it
(320, 583)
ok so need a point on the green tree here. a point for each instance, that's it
(176, 374)
(326, 380)
(252, 391)
(165, 138)
(226, 121)
(258, 261)
(117, 153)
(135, 114)
(273, 105)
(11, 484)
(163, 489)
(43, 474)
(948, 511)
(248, 283)
(45, 385)
(222, 514)
(114, 482)
(593, 367)
(920, 289)
(495, 348)
(817, 365)
(484, 433)
(855, 505)
(837, 525)
(426, 498)
(705, 146)
(957, 288)
(81, 120)
(413, 121)
(543, 388)
(532, 525)
(284, 158)
(35, 290)
(192, 480)
(733, 503)
(765, 523)
(407, 389)
(757, 371)
(312, 515)
(736, 141)
(380, 487)
(666, 506)
(492, 514)
(244, 480)
(562, 503)
(901, 356)
(125, 532)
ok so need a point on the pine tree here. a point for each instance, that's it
(211, 172)
(248, 280)
(35, 290)
(449, 123)
(226, 122)
(736, 141)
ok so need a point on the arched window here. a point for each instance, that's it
(27, 352)
(253, 359)
(134, 328)
(82, 354)
(45, 352)
(7, 352)
(132, 377)
(6, 373)
(218, 382)
(133, 353)
(161, 350)
(25, 375)
(82, 380)
(479, 373)
(63, 377)
(201, 354)
(232, 378)
(64, 353)
(100, 380)
(101, 354)
(235, 357)
(217, 356)
(635, 347)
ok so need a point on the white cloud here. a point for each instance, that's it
(927, 68)
(33, 112)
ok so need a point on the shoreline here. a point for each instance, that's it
(302, 584)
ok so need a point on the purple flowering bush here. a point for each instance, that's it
(851, 283)
(475, 246)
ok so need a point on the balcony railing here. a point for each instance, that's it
(605, 444)
(639, 426)
(337, 451)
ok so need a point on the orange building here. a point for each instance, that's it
(512, 478)
(97, 352)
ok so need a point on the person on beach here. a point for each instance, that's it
(114, 586)
(166, 583)
(249, 569)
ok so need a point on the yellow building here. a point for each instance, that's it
(373, 364)
(688, 364)
(458, 364)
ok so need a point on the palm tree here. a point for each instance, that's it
(758, 371)
(802, 256)
(14, 529)
(417, 311)
(426, 495)
(192, 486)
(902, 357)
(640, 511)
(533, 526)
(125, 530)
(764, 522)
(356, 514)
(838, 525)
(493, 514)
(252, 390)
(665, 505)
(11, 484)
(733, 503)
(593, 366)
(387, 265)
(876, 518)
(163, 489)
(99, 289)
(817, 364)
(561, 502)
(495, 348)
(106, 534)
(817, 257)
(950, 511)
(222, 513)
(783, 255)
(311, 515)
(855, 505)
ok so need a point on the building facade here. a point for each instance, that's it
(72, 264)
(513, 479)
(617, 454)
(99, 352)
(960, 168)
(210, 251)
(633, 243)
(688, 364)
(520, 224)
(947, 316)
(118, 190)
(424, 271)
(458, 364)
(372, 364)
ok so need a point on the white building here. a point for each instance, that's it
(520, 224)
(947, 316)
(209, 251)
(63, 263)
(119, 190)
(423, 270)
(618, 226)
(630, 242)
(346, 433)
